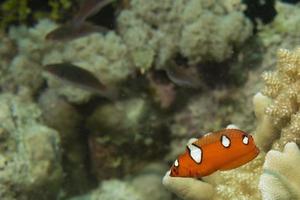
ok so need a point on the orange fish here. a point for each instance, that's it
(221, 150)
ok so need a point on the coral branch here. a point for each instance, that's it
(281, 179)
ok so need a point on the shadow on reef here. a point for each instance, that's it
(263, 10)
(232, 72)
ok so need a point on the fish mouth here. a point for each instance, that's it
(256, 149)
(252, 151)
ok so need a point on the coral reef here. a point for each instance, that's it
(265, 131)
(188, 188)
(140, 42)
(95, 52)
(103, 55)
(153, 117)
(281, 103)
(22, 53)
(285, 25)
(146, 185)
(60, 115)
(149, 29)
(280, 178)
(194, 119)
(280, 33)
(116, 189)
(134, 124)
(240, 183)
(30, 151)
(148, 182)
(276, 110)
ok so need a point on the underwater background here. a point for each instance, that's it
(99, 97)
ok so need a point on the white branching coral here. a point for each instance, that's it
(281, 177)
(188, 188)
(280, 115)
(266, 133)
(240, 183)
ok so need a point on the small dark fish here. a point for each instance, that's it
(68, 31)
(184, 76)
(78, 76)
(78, 27)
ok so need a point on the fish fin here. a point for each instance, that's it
(209, 138)
(89, 8)
(91, 28)
(71, 31)
(60, 32)
(232, 126)
(192, 140)
(214, 137)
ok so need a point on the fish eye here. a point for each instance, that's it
(245, 139)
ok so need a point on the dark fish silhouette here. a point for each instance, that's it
(78, 76)
(70, 32)
(89, 8)
(184, 76)
(78, 27)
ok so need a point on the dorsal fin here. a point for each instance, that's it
(214, 137)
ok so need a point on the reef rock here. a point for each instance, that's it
(155, 31)
(29, 152)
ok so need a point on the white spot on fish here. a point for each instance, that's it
(195, 153)
(225, 141)
(176, 163)
(245, 140)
